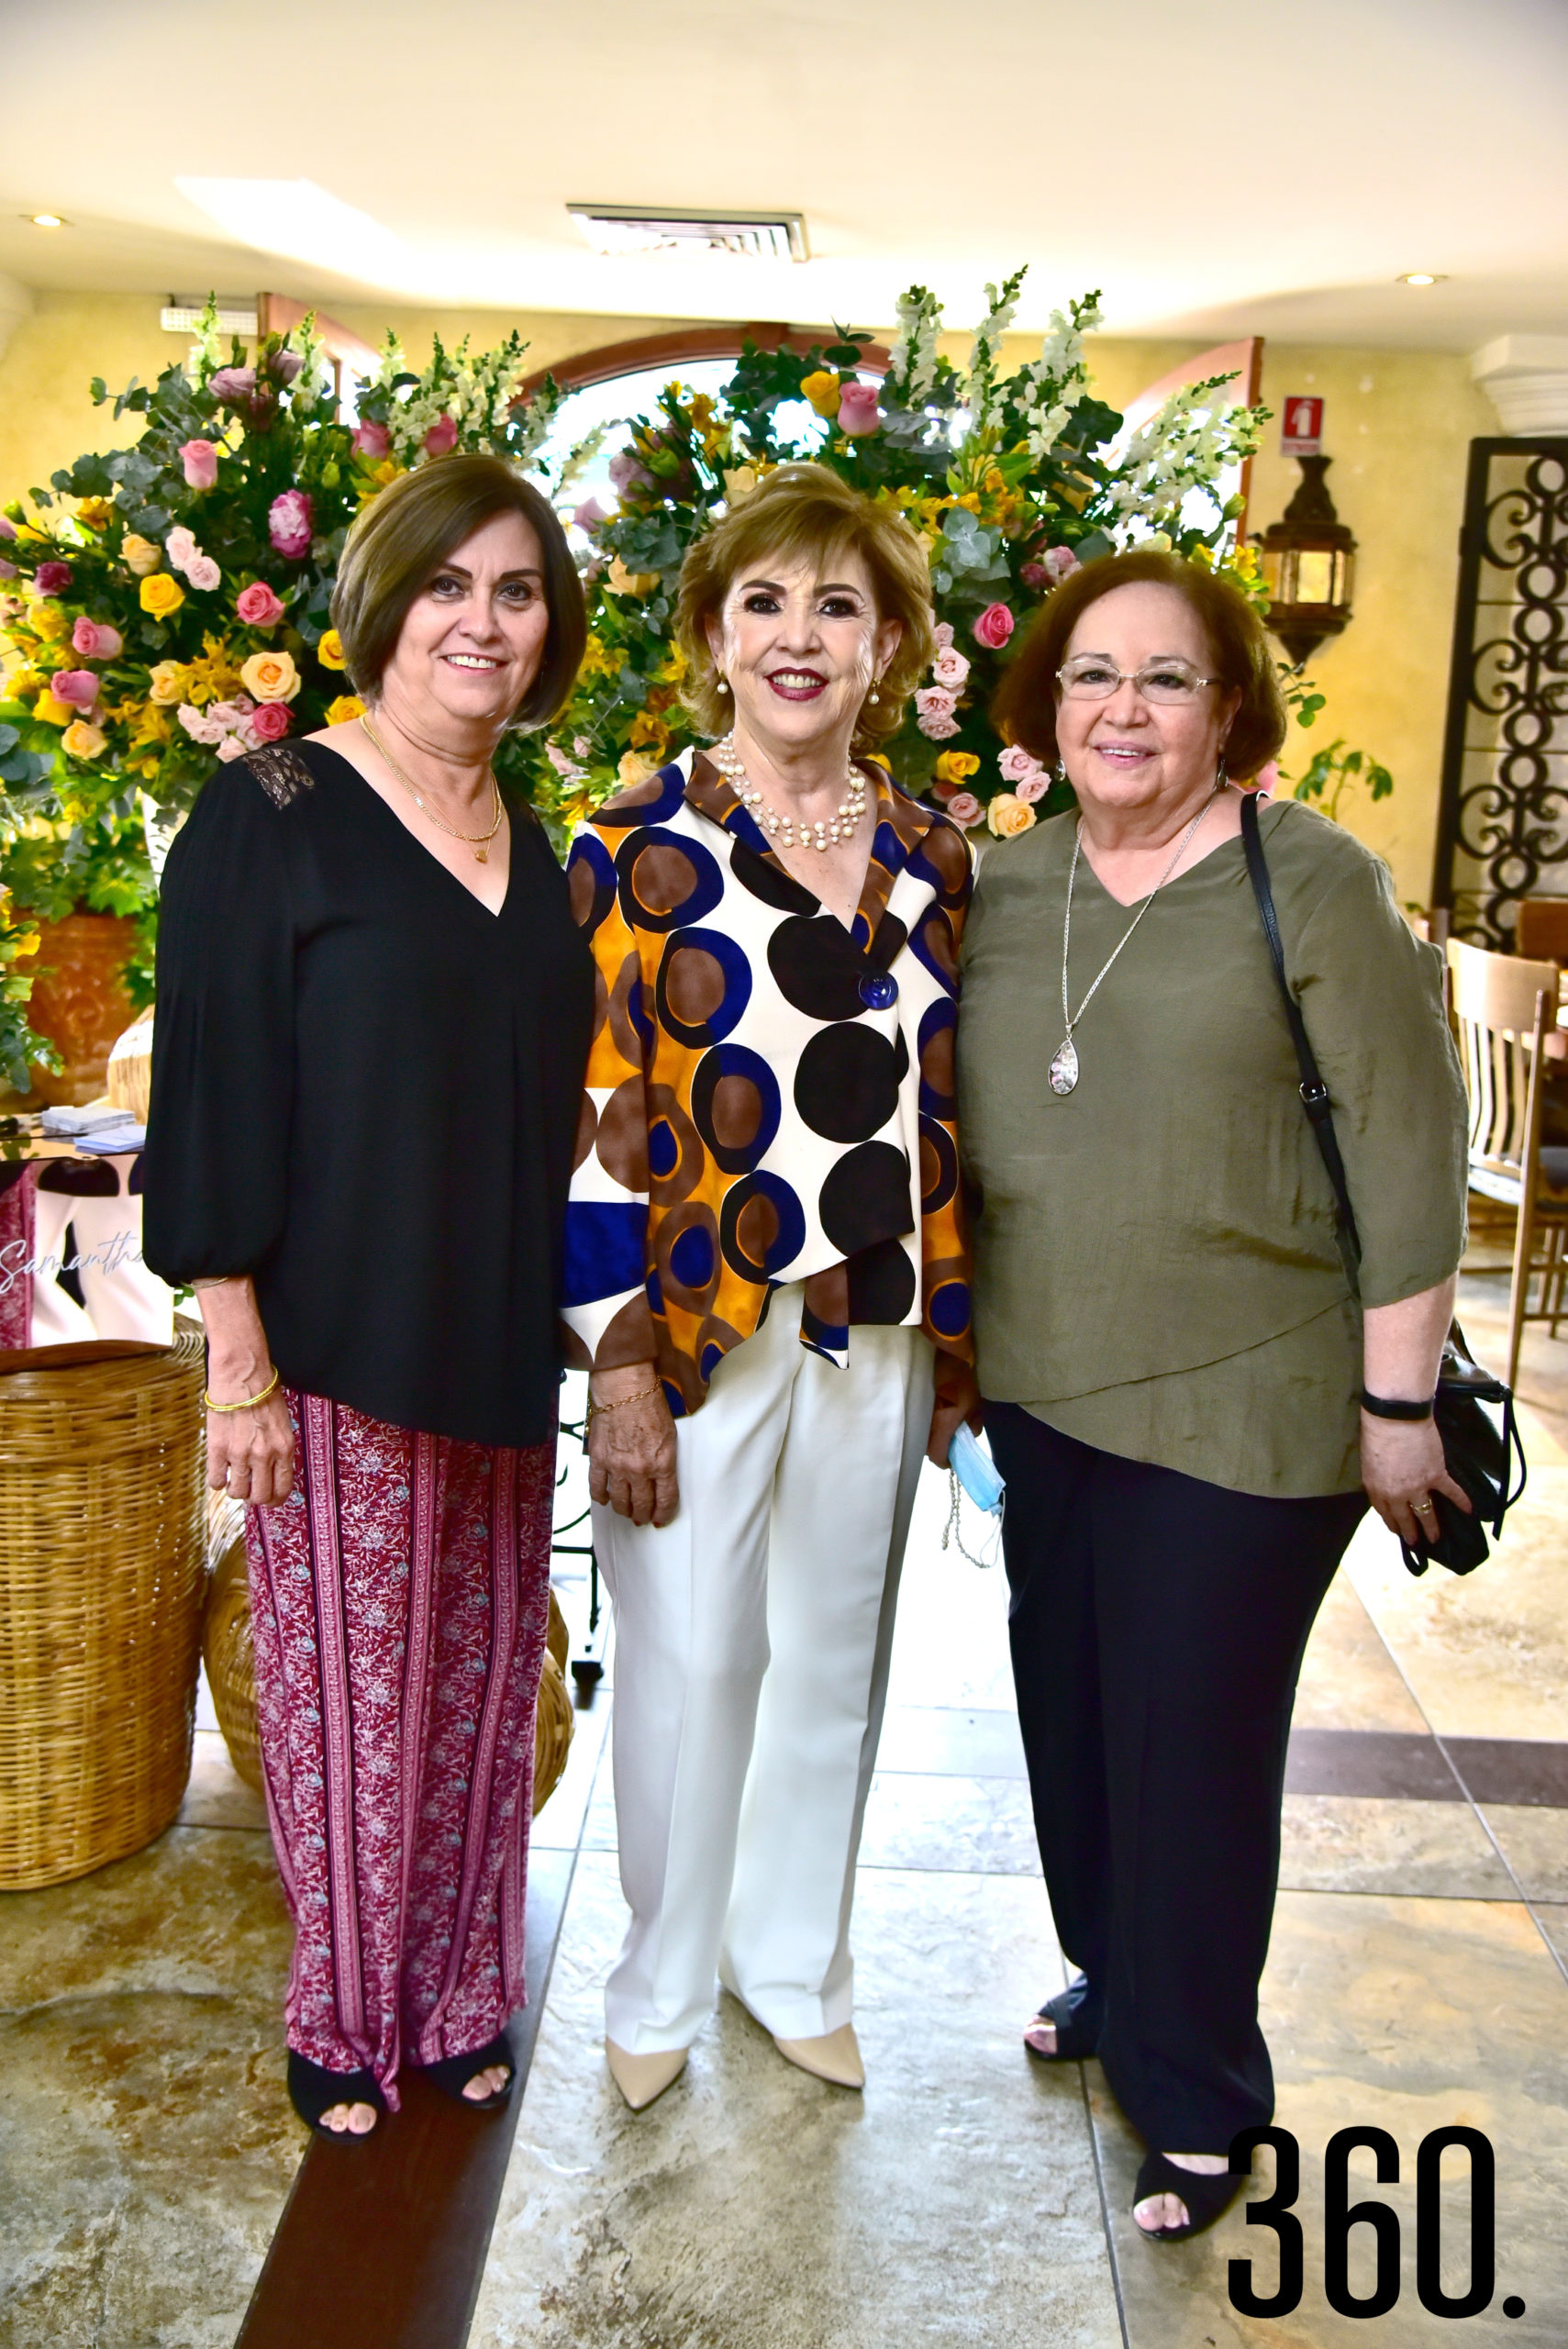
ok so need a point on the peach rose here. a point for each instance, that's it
(1008, 816)
(166, 683)
(81, 740)
(138, 554)
(270, 676)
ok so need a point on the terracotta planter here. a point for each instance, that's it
(79, 1002)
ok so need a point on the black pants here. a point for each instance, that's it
(1158, 1625)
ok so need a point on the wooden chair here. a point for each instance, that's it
(1505, 1012)
(1541, 935)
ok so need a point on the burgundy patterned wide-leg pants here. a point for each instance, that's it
(399, 1602)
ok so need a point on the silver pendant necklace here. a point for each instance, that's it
(1064, 1067)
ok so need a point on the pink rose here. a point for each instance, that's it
(589, 515)
(203, 573)
(271, 721)
(78, 686)
(965, 809)
(289, 524)
(943, 635)
(442, 438)
(200, 461)
(993, 627)
(232, 385)
(231, 747)
(258, 606)
(1061, 562)
(857, 410)
(1030, 787)
(1018, 766)
(180, 546)
(371, 440)
(285, 365)
(950, 669)
(52, 578)
(627, 473)
(95, 641)
(934, 707)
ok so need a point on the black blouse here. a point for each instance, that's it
(365, 1092)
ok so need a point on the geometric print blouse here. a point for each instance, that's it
(770, 1094)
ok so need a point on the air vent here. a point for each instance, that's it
(648, 228)
(180, 315)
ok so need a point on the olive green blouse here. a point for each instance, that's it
(1156, 1268)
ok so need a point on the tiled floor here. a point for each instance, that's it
(1418, 1976)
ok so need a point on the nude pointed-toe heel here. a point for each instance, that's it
(642, 2079)
(836, 2056)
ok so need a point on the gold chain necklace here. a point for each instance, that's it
(478, 841)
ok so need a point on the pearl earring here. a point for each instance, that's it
(873, 696)
(722, 685)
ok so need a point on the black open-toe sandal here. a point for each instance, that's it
(452, 2074)
(1206, 2198)
(313, 2090)
(1076, 2039)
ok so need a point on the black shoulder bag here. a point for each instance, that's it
(1478, 1452)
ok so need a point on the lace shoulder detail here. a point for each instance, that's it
(281, 772)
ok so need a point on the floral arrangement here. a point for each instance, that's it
(1010, 481)
(168, 604)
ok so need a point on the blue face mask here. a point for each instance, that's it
(976, 1472)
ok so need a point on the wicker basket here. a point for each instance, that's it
(231, 1665)
(102, 1567)
(129, 1079)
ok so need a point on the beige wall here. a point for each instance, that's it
(1397, 425)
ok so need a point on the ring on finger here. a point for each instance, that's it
(1423, 1508)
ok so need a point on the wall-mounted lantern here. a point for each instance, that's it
(1308, 565)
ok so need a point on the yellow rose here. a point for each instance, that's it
(1008, 816)
(345, 708)
(957, 766)
(824, 391)
(634, 768)
(55, 713)
(139, 555)
(161, 595)
(168, 683)
(631, 582)
(270, 676)
(48, 620)
(738, 483)
(83, 742)
(330, 651)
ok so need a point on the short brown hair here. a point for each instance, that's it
(404, 535)
(1024, 708)
(805, 510)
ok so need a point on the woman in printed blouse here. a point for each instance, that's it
(766, 1265)
(373, 1010)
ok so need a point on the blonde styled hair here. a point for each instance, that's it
(806, 512)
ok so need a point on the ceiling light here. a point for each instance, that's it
(45, 219)
(303, 221)
(622, 229)
(1420, 277)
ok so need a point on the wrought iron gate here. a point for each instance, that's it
(1503, 827)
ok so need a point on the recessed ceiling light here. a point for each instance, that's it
(620, 228)
(1422, 277)
(45, 219)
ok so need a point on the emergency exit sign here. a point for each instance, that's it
(1301, 429)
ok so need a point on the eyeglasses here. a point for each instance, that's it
(1088, 678)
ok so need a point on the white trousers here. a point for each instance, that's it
(752, 1641)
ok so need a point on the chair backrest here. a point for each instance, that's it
(1542, 931)
(1500, 1004)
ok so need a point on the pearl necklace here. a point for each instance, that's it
(840, 826)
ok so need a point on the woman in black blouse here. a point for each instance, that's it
(374, 1013)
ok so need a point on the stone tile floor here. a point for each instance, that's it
(1418, 1976)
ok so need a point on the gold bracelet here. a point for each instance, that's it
(601, 1410)
(250, 1402)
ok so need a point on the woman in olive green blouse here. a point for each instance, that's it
(1173, 1354)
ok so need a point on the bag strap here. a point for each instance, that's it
(1314, 1092)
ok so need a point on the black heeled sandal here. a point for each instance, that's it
(452, 2074)
(313, 2090)
(1207, 2198)
(1075, 2039)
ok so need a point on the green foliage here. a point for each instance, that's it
(1333, 771)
